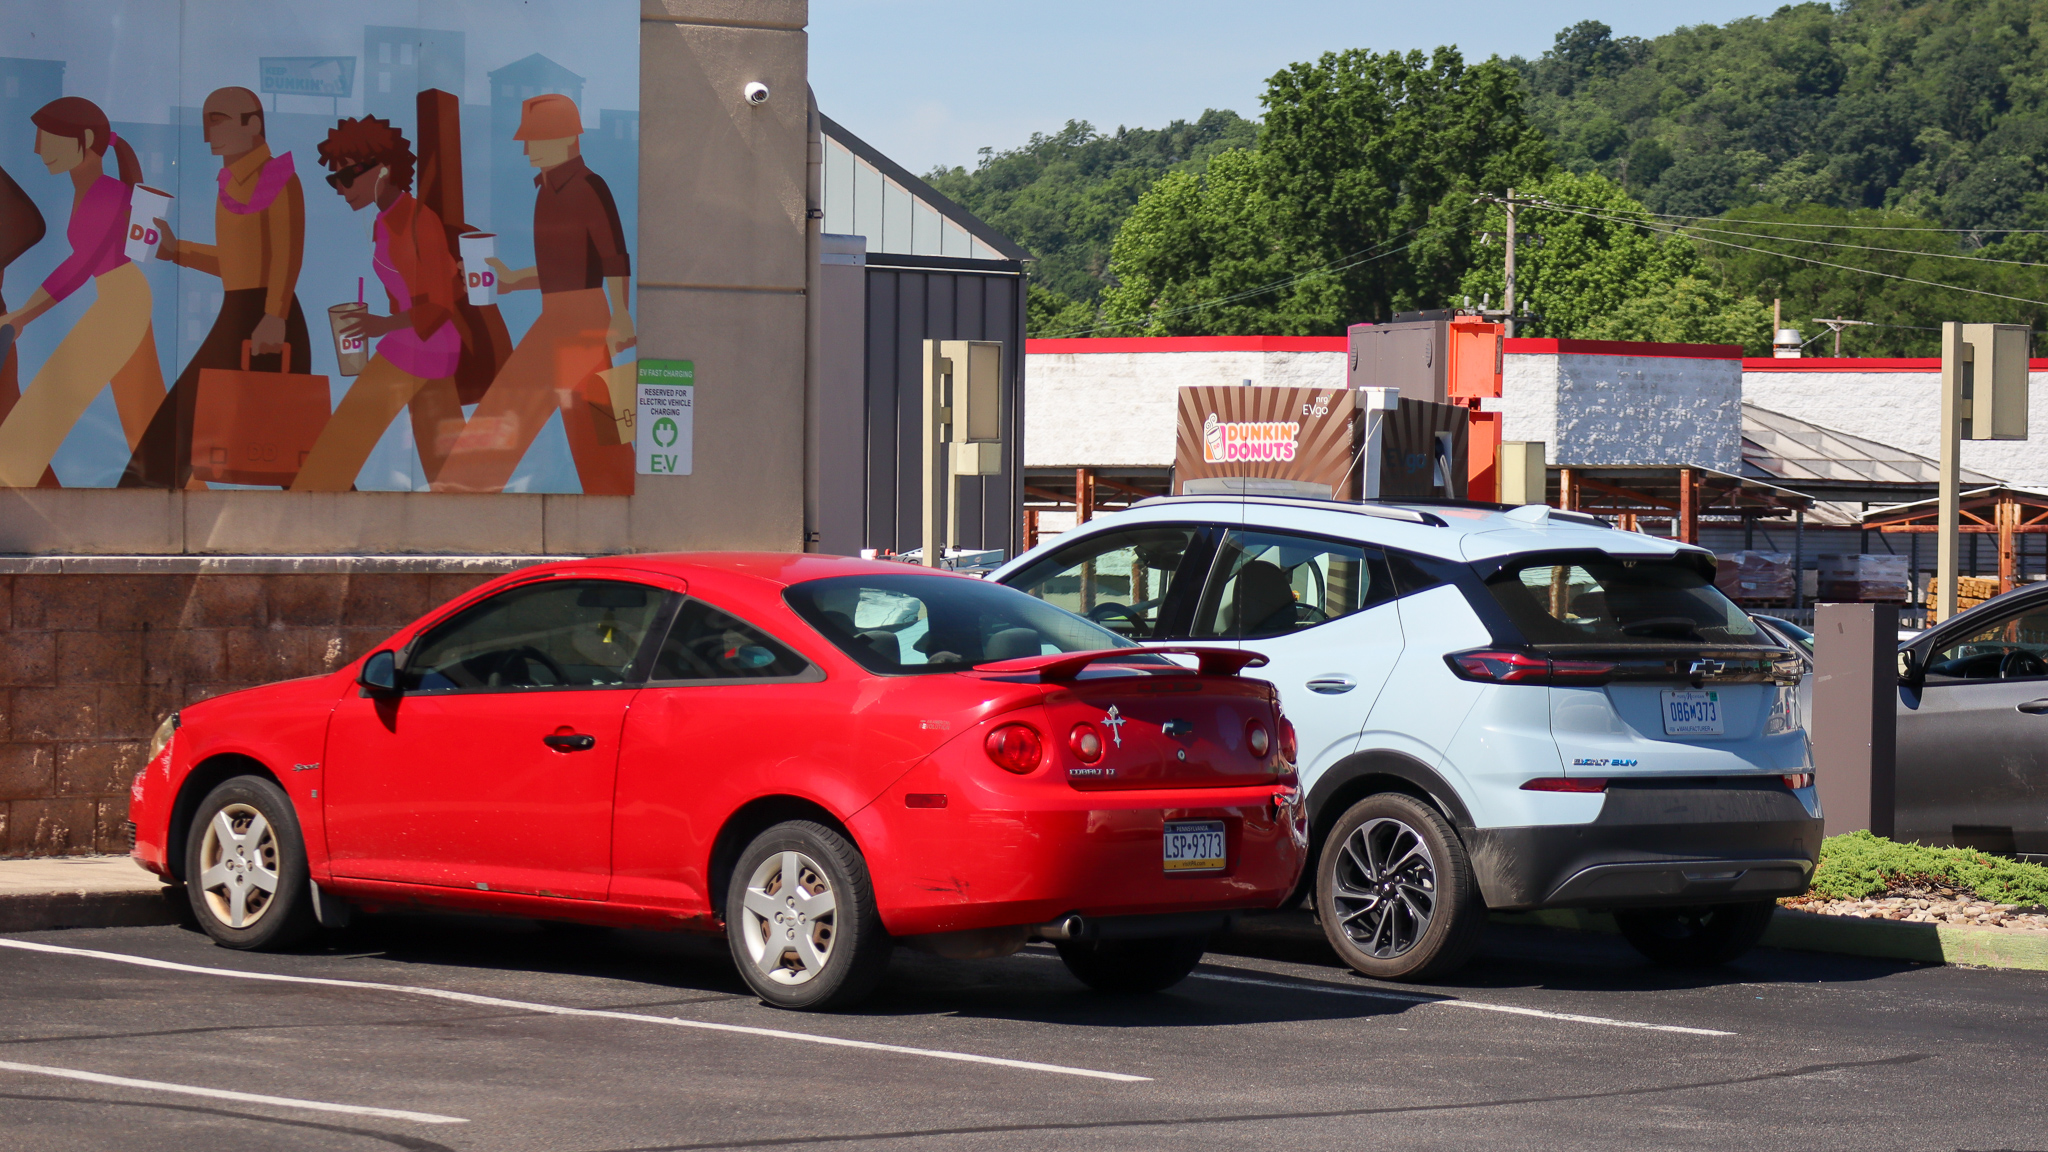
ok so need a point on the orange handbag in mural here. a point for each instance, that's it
(256, 427)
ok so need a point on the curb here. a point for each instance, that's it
(1854, 936)
(39, 911)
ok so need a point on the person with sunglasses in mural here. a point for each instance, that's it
(114, 342)
(582, 270)
(259, 229)
(418, 344)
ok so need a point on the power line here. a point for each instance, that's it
(1332, 267)
(1864, 247)
(1857, 227)
(1670, 230)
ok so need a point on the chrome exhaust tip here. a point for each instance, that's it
(1068, 927)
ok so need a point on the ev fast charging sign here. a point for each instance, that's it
(664, 417)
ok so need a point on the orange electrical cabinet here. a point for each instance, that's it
(1476, 349)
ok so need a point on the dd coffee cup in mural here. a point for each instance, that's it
(477, 249)
(146, 206)
(351, 346)
(1306, 434)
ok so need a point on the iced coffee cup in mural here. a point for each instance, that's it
(477, 250)
(146, 206)
(351, 343)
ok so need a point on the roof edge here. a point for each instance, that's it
(980, 228)
(1188, 344)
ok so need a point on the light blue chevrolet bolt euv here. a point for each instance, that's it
(1505, 709)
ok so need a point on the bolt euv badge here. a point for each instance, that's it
(664, 417)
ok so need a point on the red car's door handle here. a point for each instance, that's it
(569, 741)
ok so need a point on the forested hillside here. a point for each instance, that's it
(1877, 160)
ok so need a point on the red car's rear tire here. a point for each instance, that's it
(801, 918)
(245, 867)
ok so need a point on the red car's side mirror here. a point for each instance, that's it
(379, 674)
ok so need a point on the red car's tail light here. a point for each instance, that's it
(1257, 738)
(1564, 784)
(1086, 742)
(1287, 745)
(1507, 666)
(1016, 748)
(1798, 779)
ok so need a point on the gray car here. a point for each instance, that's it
(1973, 729)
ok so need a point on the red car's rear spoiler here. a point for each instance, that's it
(1068, 665)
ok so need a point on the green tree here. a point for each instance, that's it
(1604, 271)
(1359, 201)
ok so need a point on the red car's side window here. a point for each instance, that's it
(708, 644)
(549, 634)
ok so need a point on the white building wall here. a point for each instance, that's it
(1903, 409)
(1117, 409)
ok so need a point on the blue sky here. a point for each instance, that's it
(930, 81)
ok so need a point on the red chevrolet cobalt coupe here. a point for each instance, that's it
(819, 757)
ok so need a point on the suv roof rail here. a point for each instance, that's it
(1360, 507)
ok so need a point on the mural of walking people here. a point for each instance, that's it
(259, 228)
(582, 271)
(114, 342)
(418, 346)
(21, 228)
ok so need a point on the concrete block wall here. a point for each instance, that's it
(92, 659)
(1604, 409)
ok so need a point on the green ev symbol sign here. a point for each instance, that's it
(664, 432)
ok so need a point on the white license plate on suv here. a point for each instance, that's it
(1693, 714)
(1194, 846)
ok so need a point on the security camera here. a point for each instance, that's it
(756, 93)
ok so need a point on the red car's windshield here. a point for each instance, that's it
(916, 622)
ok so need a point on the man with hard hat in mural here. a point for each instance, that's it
(582, 270)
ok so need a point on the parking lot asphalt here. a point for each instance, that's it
(431, 1033)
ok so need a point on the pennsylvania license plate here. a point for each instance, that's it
(1693, 714)
(1194, 846)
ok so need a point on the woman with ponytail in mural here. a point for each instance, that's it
(418, 345)
(113, 343)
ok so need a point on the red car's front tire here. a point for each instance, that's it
(801, 917)
(245, 867)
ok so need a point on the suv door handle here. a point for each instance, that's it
(569, 741)
(1332, 685)
(2034, 707)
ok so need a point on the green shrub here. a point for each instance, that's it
(1859, 865)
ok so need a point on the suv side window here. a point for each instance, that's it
(1123, 580)
(706, 644)
(548, 634)
(1274, 583)
(2013, 648)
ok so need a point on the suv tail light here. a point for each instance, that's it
(1566, 784)
(1509, 666)
(1016, 748)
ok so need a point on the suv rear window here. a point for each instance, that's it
(1585, 600)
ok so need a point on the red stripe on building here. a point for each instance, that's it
(1190, 344)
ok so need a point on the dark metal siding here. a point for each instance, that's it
(911, 299)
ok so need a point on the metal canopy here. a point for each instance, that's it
(1836, 466)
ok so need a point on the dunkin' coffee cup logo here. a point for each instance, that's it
(1243, 443)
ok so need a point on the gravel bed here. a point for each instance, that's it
(1924, 904)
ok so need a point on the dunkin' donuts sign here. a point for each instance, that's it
(1283, 433)
(1227, 443)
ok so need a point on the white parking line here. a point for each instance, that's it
(1443, 1001)
(559, 1010)
(224, 1094)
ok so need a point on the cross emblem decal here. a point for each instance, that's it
(1114, 721)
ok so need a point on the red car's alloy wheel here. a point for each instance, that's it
(238, 861)
(790, 918)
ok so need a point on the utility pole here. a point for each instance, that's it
(1836, 326)
(1507, 301)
